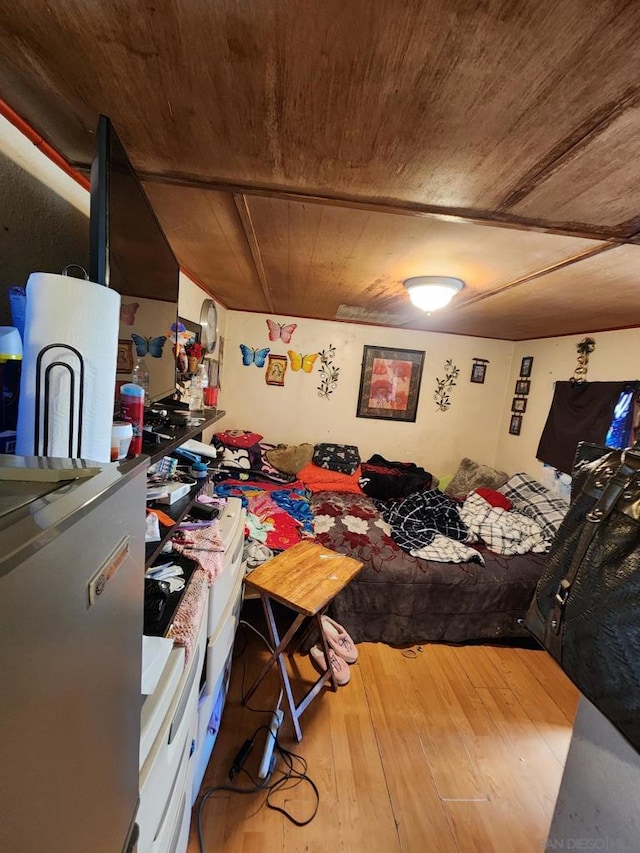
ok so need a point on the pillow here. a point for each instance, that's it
(238, 438)
(290, 458)
(235, 457)
(317, 479)
(343, 458)
(496, 499)
(530, 497)
(444, 482)
(471, 475)
(266, 469)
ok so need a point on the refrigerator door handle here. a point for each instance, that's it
(108, 569)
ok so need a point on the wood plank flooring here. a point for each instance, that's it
(437, 748)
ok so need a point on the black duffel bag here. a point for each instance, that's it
(586, 610)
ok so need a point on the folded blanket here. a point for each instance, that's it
(317, 479)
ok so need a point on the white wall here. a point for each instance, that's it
(555, 359)
(190, 299)
(44, 215)
(296, 413)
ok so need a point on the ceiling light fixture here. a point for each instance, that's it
(430, 292)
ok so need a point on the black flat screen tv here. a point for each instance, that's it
(129, 252)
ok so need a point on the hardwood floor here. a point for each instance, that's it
(439, 748)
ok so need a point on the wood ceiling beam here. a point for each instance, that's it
(254, 247)
(567, 262)
(499, 219)
(592, 127)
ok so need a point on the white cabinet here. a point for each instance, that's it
(225, 601)
(181, 718)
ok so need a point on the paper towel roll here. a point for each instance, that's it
(66, 400)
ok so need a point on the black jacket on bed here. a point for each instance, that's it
(390, 480)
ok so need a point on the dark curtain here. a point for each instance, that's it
(580, 411)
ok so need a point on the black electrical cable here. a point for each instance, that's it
(289, 779)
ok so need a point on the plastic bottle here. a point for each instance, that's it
(198, 384)
(140, 375)
(132, 406)
(199, 470)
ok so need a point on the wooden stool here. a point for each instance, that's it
(305, 578)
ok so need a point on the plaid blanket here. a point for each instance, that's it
(530, 497)
(503, 532)
(445, 550)
(416, 520)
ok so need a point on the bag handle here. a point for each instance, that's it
(615, 488)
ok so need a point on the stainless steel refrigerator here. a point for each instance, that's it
(71, 613)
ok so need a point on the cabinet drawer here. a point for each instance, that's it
(221, 642)
(167, 759)
(232, 534)
(173, 831)
(156, 705)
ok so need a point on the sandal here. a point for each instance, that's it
(339, 640)
(338, 665)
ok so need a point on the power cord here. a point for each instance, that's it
(294, 774)
(290, 778)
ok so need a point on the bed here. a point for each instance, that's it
(398, 598)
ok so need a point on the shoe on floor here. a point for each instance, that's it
(339, 640)
(338, 665)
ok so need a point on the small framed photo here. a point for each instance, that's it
(515, 424)
(124, 363)
(478, 371)
(519, 405)
(522, 386)
(276, 369)
(525, 366)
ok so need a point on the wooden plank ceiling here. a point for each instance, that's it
(305, 158)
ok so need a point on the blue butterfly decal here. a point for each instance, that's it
(254, 356)
(153, 346)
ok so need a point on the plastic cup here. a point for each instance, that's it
(210, 396)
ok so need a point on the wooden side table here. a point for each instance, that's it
(305, 578)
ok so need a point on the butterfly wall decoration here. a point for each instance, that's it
(128, 313)
(145, 345)
(280, 331)
(254, 356)
(302, 362)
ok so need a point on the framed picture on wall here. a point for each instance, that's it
(519, 405)
(124, 363)
(515, 424)
(188, 332)
(525, 366)
(276, 369)
(390, 383)
(478, 371)
(522, 386)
